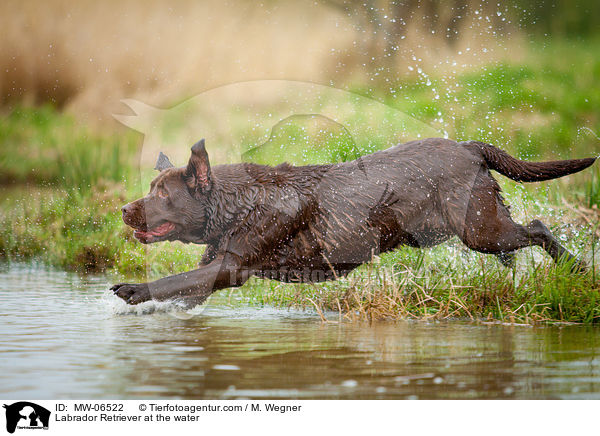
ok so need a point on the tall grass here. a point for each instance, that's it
(432, 285)
(593, 189)
(45, 147)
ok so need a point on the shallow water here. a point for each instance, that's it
(65, 336)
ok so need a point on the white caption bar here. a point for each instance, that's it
(291, 417)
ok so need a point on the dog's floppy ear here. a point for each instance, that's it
(197, 174)
(163, 162)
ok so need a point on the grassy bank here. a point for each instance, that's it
(64, 185)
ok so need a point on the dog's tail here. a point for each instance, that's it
(522, 171)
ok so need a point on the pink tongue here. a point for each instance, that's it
(162, 229)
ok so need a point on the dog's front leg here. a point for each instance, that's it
(223, 272)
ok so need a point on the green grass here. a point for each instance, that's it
(547, 108)
(409, 286)
(64, 185)
(303, 140)
(43, 146)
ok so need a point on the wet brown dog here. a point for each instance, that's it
(315, 223)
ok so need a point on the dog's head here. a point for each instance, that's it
(176, 206)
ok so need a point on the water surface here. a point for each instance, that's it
(66, 336)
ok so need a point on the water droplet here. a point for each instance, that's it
(226, 367)
(349, 383)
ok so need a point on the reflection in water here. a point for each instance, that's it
(63, 336)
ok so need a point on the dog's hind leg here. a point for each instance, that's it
(540, 235)
(503, 237)
(488, 227)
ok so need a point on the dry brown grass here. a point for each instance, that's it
(87, 55)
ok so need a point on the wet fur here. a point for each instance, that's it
(315, 223)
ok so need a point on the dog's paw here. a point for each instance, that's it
(132, 293)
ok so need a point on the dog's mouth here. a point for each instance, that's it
(156, 234)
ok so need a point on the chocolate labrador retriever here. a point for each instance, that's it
(318, 222)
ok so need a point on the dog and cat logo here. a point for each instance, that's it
(26, 415)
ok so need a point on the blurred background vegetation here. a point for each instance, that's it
(520, 74)
(85, 56)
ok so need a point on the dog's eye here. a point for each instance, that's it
(162, 193)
